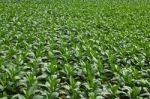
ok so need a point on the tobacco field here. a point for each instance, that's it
(74, 49)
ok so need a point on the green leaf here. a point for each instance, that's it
(4, 98)
(1, 88)
(38, 97)
(54, 95)
(18, 96)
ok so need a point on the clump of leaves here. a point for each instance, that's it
(74, 49)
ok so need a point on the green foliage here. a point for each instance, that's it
(74, 49)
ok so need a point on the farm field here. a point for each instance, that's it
(74, 49)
